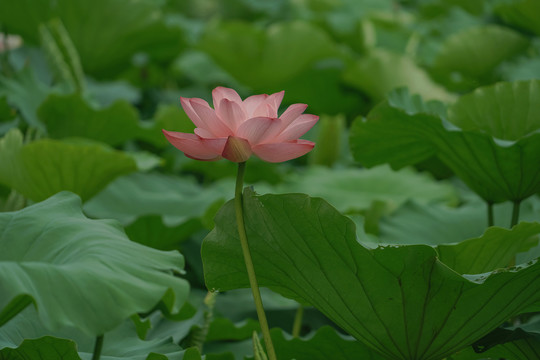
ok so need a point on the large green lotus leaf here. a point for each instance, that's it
(516, 115)
(402, 146)
(79, 272)
(400, 300)
(266, 57)
(44, 167)
(496, 170)
(105, 44)
(496, 248)
(71, 116)
(46, 347)
(390, 135)
(175, 199)
(521, 13)
(380, 72)
(474, 53)
(351, 190)
(120, 343)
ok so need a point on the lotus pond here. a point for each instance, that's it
(288, 179)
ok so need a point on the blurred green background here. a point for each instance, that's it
(86, 87)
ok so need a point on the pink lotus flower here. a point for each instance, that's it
(235, 129)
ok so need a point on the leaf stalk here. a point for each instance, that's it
(98, 345)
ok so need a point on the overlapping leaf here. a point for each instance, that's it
(46, 347)
(495, 249)
(495, 169)
(71, 116)
(173, 198)
(25, 335)
(79, 272)
(516, 116)
(402, 301)
(42, 168)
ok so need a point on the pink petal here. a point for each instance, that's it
(186, 105)
(299, 127)
(279, 152)
(263, 105)
(292, 112)
(196, 147)
(259, 129)
(236, 149)
(201, 132)
(208, 118)
(265, 110)
(275, 100)
(231, 114)
(251, 103)
(220, 93)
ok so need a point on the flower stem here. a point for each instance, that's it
(515, 213)
(515, 220)
(238, 204)
(97, 347)
(297, 325)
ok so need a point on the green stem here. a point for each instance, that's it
(297, 325)
(515, 220)
(97, 347)
(490, 214)
(515, 213)
(197, 336)
(238, 204)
